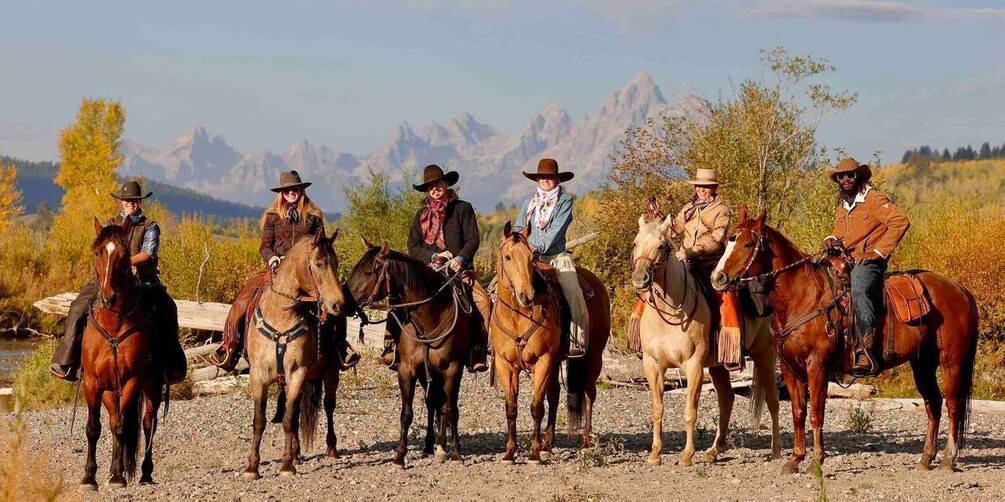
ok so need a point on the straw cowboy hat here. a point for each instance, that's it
(705, 177)
(290, 179)
(549, 167)
(432, 173)
(130, 190)
(849, 165)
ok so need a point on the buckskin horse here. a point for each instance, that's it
(807, 318)
(526, 331)
(287, 345)
(675, 330)
(435, 321)
(115, 356)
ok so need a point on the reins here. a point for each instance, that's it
(522, 339)
(653, 296)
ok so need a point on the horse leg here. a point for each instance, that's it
(432, 419)
(291, 422)
(116, 478)
(928, 386)
(260, 393)
(764, 364)
(452, 388)
(655, 375)
(724, 395)
(280, 406)
(554, 391)
(694, 382)
(331, 393)
(510, 379)
(797, 396)
(93, 433)
(817, 376)
(955, 405)
(152, 403)
(543, 370)
(406, 382)
(590, 395)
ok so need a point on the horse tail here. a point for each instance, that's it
(575, 387)
(757, 400)
(310, 405)
(131, 417)
(965, 380)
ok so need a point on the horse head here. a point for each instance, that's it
(368, 282)
(745, 254)
(112, 267)
(516, 265)
(650, 249)
(322, 272)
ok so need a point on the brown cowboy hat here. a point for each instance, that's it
(703, 177)
(432, 173)
(130, 190)
(848, 165)
(548, 168)
(290, 179)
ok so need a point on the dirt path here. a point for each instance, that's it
(202, 449)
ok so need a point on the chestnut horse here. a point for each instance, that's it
(675, 333)
(526, 331)
(805, 310)
(285, 345)
(115, 357)
(435, 322)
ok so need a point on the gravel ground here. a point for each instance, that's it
(201, 450)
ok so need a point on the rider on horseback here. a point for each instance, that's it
(291, 216)
(548, 215)
(444, 233)
(704, 223)
(144, 244)
(870, 234)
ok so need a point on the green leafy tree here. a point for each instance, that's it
(379, 212)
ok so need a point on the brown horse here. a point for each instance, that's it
(526, 330)
(115, 355)
(435, 322)
(805, 311)
(286, 345)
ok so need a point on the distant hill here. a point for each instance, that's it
(926, 182)
(35, 181)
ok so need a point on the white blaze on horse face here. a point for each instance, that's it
(725, 256)
(110, 248)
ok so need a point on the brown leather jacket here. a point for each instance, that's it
(872, 228)
(705, 232)
(278, 236)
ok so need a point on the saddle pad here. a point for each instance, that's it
(906, 294)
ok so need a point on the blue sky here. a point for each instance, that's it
(264, 74)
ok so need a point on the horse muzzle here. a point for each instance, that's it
(720, 280)
(524, 301)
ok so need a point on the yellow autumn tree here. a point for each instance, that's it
(10, 197)
(88, 153)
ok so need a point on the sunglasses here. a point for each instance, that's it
(849, 176)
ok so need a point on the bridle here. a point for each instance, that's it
(676, 311)
(521, 339)
(742, 277)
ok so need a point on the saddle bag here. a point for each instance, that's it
(905, 294)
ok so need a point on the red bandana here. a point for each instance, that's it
(431, 220)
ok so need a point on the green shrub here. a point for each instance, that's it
(36, 387)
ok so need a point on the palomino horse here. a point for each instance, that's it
(435, 321)
(287, 345)
(115, 355)
(806, 311)
(675, 333)
(526, 329)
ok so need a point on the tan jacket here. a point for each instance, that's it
(705, 233)
(872, 228)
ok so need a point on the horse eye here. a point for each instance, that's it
(749, 245)
(732, 238)
(508, 257)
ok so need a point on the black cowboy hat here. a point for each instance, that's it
(433, 172)
(848, 165)
(290, 179)
(549, 168)
(130, 190)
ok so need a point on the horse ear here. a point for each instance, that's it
(331, 240)
(508, 229)
(319, 236)
(743, 215)
(366, 242)
(760, 218)
(97, 226)
(385, 250)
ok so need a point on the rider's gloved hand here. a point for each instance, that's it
(274, 263)
(454, 264)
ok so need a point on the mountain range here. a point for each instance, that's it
(206, 163)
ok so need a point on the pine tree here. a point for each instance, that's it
(985, 151)
(945, 154)
(10, 197)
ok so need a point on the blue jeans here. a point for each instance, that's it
(866, 292)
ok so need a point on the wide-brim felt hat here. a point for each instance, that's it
(432, 173)
(549, 168)
(130, 190)
(849, 165)
(290, 179)
(705, 177)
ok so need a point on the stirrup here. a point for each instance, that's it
(861, 372)
(57, 370)
(228, 362)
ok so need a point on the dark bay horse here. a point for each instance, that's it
(287, 345)
(435, 324)
(805, 306)
(115, 357)
(526, 332)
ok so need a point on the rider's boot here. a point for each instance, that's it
(348, 356)
(66, 372)
(226, 355)
(577, 344)
(478, 360)
(864, 364)
(389, 355)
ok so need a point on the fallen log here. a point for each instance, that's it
(222, 385)
(853, 391)
(211, 372)
(195, 353)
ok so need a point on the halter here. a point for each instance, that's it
(771, 274)
(651, 298)
(521, 339)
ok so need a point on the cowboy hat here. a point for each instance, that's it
(548, 168)
(705, 177)
(130, 190)
(432, 173)
(848, 165)
(290, 179)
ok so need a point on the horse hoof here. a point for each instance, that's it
(686, 462)
(946, 466)
(399, 462)
(789, 468)
(457, 461)
(332, 453)
(288, 472)
(545, 455)
(775, 455)
(922, 466)
(507, 461)
(534, 462)
(250, 475)
(147, 481)
(88, 487)
(709, 457)
(115, 485)
(654, 461)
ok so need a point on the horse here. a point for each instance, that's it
(435, 320)
(526, 332)
(287, 347)
(806, 313)
(115, 357)
(675, 329)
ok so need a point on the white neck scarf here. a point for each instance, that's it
(541, 207)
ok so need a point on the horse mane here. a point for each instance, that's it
(109, 232)
(414, 275)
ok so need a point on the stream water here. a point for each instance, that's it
(12, 354)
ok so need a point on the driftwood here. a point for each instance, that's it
(211, 372)
(205, 316)
(853, 391)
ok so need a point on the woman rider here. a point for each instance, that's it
(291, 216)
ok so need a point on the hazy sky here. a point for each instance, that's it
(264, 74)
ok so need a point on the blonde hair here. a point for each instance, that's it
(305, 206)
